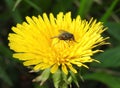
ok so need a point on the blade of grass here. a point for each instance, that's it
(16, 4)
(107, 14)
(33, 5)
(15, 14)
(84, 7)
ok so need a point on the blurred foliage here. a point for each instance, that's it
(103, 75)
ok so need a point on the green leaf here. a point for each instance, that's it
(114, 29)
(109, 80)
(5, 77)
(109, 58)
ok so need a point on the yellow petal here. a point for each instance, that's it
(64, 69)
(54, 68)
(71, 68)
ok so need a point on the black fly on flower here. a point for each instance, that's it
(64, 35)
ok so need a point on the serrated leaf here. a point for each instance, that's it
(114, 29)
(109, 58)
(109, 80)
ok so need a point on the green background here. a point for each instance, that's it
(104, 75)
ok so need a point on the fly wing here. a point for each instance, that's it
(62, 31)
(54, 37)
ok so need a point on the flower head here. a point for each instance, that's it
(61, 42)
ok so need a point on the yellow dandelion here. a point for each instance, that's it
(61, 42)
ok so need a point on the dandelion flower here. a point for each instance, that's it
(40, 43)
